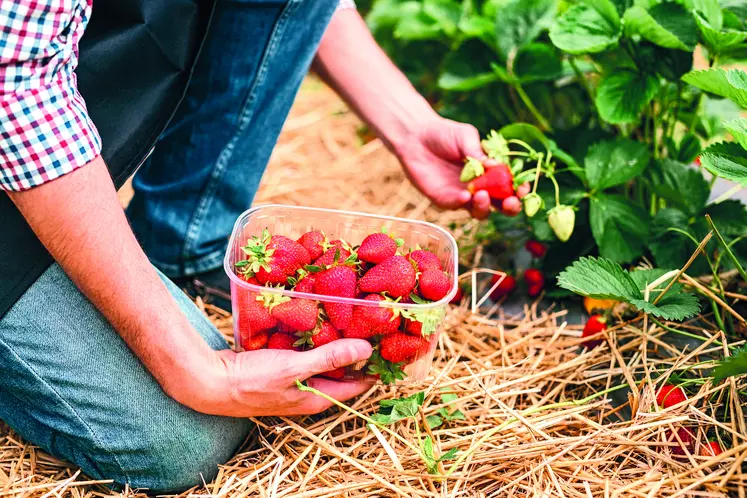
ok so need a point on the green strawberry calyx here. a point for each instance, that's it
(271, 299)
(472, 169)
(258, 255)
(388, 372)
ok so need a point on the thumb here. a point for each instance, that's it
(336, 354)
(468, 141)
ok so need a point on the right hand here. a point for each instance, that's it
(263, 383)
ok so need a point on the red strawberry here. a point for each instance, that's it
(252, 315)
(300, 314)
(670, 395)
(281, 341)
(337, 373)
(306, 284)
(248, 278)
(328, 258)
(298, 251)
(688, 441)
(382, 320)
(535, 248)
(425, 260)
(697, 160)
(434, 284)
(253, 341)
(457, 299)
(497, 181)
(377, 247)
(324, 334)
(399, 347)
(359, 329)
(595, 324)
(507, 285)
(511, 206)
(394, 275)
(535, 281)
(313, 243)
(338, 281)
(710, 449)
(414, 327)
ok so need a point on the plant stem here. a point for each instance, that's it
(727, 194)
(557, 189)
(530, 105)
(727, 248)
(681, 332)
(584, 83)
(522, 143)
(655, 133)
(537, 178)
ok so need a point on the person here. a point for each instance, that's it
(105, 362)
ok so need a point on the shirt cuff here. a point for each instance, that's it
(44, 133)
(346, 4)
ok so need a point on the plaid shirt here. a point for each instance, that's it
(45, 131)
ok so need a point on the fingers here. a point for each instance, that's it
(480, 206)
(336, 354)
(468, 141)
(310, 403)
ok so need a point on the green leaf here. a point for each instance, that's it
(418, 26)
(711, 12)
(394, 410)
(496, 147)
(446, 14)
(614, 162)
(449, 455)
(620, 228)
(426, 445)
(726, 160)
(683, 186)
(623, 95)
(671, 307)
(689, 148)
(537, 62)
(730, 217)
(588, 27)
(668, 25)
(670, 248)
(731, 366)
(519, 22)
(730, 84)
(718, 40)
(434, 421)
(466, 69)
(738, 129)
(449, 398)
(600, 279)
(644, 278)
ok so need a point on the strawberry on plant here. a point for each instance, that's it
(498, 182)
(313, 242)
(511, 206)
(281, 341)
(252, 341)
(377, 247)
(299, 314)
(402, 348)
(535, 281)
(562, 220)
(670, 395)
(687, 437)
(434, 285)
(425, 260)
(710, 449)
(394, 275)
(507, 285)
(536, 249)
(594, 325)
(533, 203)
(338, 281)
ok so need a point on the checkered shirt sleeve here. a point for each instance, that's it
(45, 131)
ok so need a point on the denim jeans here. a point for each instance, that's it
(68, 382)
(206, 168)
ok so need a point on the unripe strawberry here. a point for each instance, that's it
(523, 190)
(562, 220)
(533, 203)
(511, 206)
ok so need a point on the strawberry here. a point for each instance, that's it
(511, 206)
(523, 190)
(594, 325)
(425, 260)
(328, 257)
(337, 373)
(710, 449)
(414, 327)
(506, 287)
(299, 314)
(272, 259)
(253, 341)
(562, 220)
(358, 329)
(434, 284)
(697, 160)
(377, 247)
(382, 320)
(535, 281)
(338, 281)
(394, 275)
(399, 347)
(670, 395)
(305, 284)
(313, 242)
(281, 341)
(457, 299)
(497, 181)
(298, 251)
(323, 333)
(688, 441)
(252, 316)
(535, 248)
(248, 278)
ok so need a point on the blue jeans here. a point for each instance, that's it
(68, 382)
(206, 168)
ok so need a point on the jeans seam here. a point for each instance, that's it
(70, 407)
(246, 114)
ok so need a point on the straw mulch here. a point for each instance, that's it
(538, 420)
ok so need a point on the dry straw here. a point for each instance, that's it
(538, 421)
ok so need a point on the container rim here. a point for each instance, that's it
(342, 300)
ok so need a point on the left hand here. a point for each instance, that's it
(433, 156)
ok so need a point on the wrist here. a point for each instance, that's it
(407, 123)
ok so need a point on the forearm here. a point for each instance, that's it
(81, 223)
(353, 64)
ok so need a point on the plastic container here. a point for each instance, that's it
(293, 221)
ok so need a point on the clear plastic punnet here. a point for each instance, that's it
(292, 222)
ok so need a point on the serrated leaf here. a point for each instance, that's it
(446, 14)
(738, 129)
(623, 95)
(434, 421)
(730, 84)
(620, 228)
(644, 278)
(729, 217)
(467, 68)
(496, 147)
(394, 410)
(613, 162)
(588, 27)
(688, 149)
(519, 22)
(726, 160)
(671, 307)
(599, 278)
(718, 40)
(670, 248)
(731, 366)
(668, 25)
(537, 62)
(711, 12)
(449, 455)
(681, 185)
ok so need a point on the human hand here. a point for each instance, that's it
(263, 382)
(433, 156)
